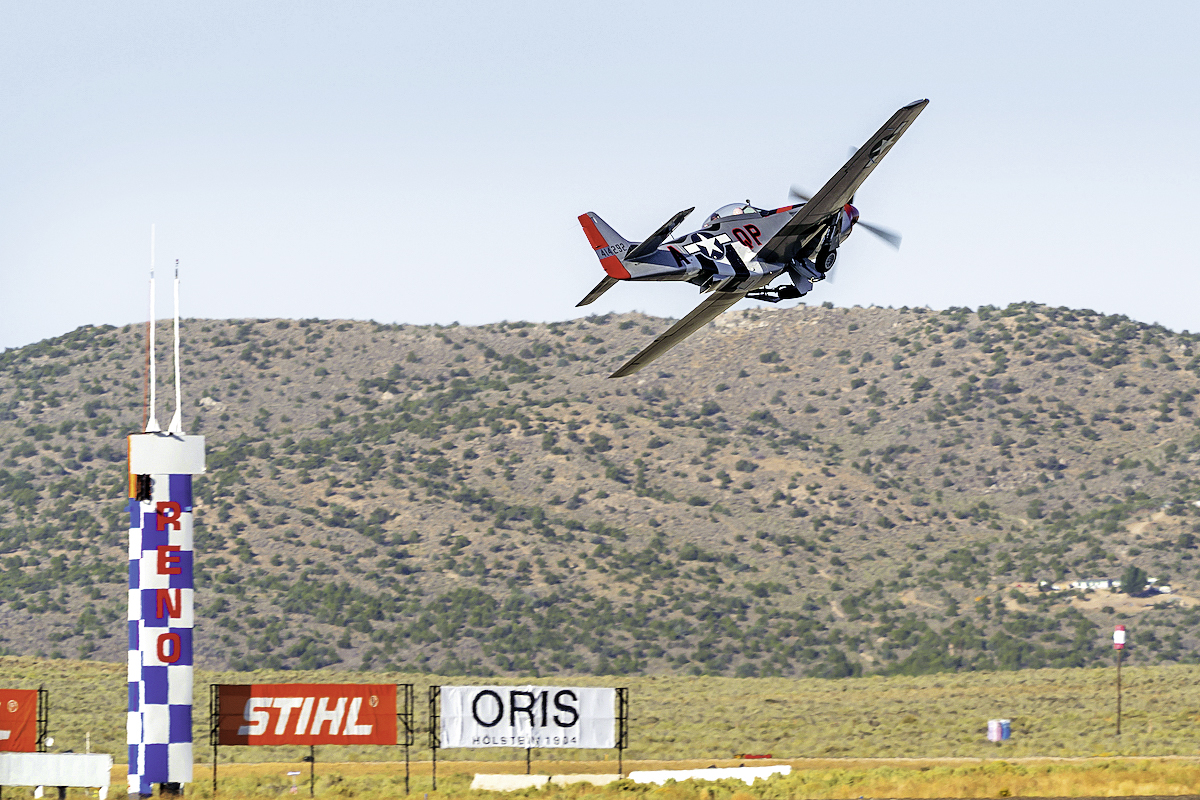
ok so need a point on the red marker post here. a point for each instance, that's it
(1119, 646)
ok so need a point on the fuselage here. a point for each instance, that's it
(723, 255)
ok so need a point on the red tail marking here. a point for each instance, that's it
(615, 269)
(593, 234)
(612, 265)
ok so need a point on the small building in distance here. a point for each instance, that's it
(1095, 584)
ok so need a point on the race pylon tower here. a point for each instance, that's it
(161, 466)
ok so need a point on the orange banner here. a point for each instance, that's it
(307, 713)
(18, 720)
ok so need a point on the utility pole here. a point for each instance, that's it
(1119, 646)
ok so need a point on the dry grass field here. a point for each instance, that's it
(1055, 713)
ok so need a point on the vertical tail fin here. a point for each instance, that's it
(609, 245)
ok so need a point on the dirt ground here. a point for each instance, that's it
(537, 766)
(1094, 601)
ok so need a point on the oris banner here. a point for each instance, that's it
(527, 716)
(18, 720)
(307, 714)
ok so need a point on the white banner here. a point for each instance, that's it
(56, 769)
(528, 716)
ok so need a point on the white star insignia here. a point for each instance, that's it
(710, 246)
(878, 150)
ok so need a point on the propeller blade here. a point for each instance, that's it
(797, 193)
(891, 237)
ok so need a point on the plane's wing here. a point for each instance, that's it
(701, 315)
(840, 188)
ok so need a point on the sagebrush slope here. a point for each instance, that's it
(808, 491)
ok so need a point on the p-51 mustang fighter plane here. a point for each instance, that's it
(742, 249)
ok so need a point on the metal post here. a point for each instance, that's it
(312, 770)
(1119, 654)
(622, 728)
(408, 732)
(43, 717)
(435, 692)
(407, 716)
(528, 750)
(214, 725)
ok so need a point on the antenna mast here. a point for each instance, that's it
(152, 423)
(176, 425)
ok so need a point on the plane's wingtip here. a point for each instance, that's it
(625, 371)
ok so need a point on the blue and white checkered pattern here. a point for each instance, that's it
(159, 725)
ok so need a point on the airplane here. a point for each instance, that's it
(741, 249)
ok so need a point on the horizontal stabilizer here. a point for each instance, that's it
(603, 286)
(659, 236)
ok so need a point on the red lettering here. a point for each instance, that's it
(741, 236)
(165, 559)
(169, 513)
(176, 647)
(755, 232)
(163, 598)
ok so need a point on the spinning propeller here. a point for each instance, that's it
(889, 236)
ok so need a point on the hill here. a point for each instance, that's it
(812, 491)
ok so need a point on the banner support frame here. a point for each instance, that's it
(622, 727)
(406, 716)
(43, 717)
(312, 770)
(435, 693)
(214, 721)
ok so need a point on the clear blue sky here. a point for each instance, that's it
(425, 162)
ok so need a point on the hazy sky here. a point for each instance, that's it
(426, 162)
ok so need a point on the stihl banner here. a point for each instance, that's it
(18, 720)
(527, 716)
(307, 714)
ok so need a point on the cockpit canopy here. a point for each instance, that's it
(731, 210)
